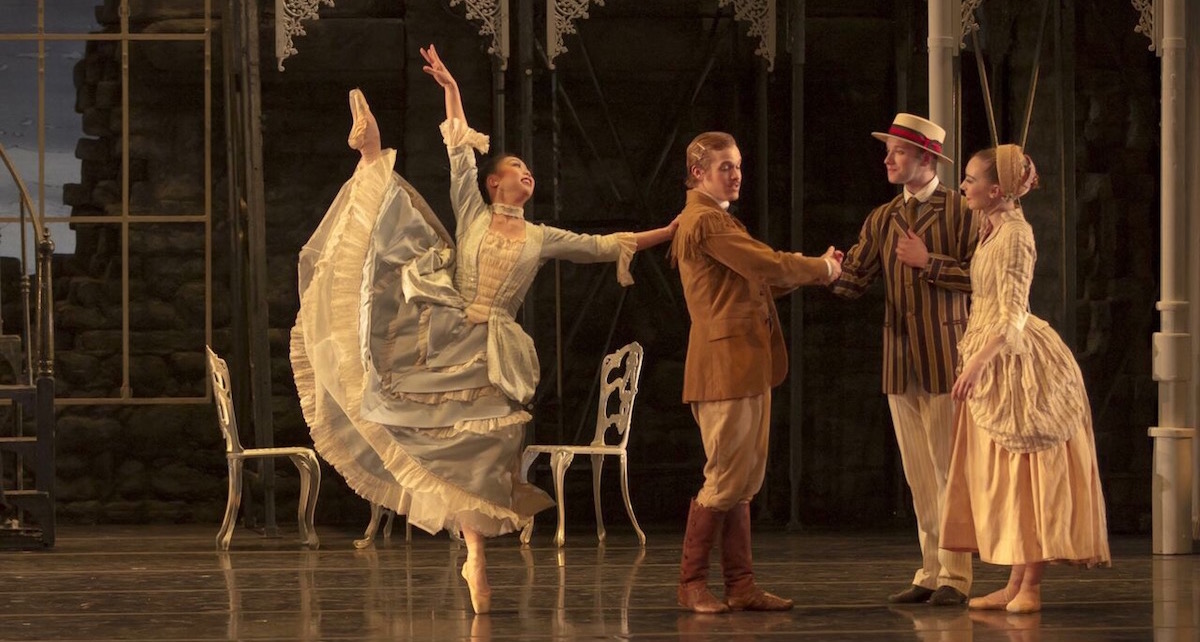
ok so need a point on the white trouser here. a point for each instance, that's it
(924, 426)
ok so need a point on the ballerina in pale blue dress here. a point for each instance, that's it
(412, 371)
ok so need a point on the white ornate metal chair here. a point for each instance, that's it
(304, 459)
(625, 386)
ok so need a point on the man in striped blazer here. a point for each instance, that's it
(921, 244)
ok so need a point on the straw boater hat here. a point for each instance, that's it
(917, 131)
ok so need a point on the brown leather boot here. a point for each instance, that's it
(741, 593)
(702, 527)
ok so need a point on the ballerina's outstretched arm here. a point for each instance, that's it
(436, 68)
(461, 144)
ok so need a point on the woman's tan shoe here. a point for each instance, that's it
(1029, 600)
(994, 601)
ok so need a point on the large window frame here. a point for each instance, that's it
(126, 220)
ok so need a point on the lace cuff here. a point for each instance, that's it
(456, 133)
(627, 245)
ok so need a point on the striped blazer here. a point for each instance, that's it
(926, 311)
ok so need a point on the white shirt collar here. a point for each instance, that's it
(924, 193)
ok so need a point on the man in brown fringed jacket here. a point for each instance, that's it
(736, 354)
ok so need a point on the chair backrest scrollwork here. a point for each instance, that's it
(623, 383)
(223, 397)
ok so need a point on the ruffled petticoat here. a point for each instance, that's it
(451, 459)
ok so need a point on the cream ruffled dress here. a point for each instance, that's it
(412, 372)
(1024, 485)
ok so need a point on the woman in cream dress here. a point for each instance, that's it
(1024, 488)
(412, 372)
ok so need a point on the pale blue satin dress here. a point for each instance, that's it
(412, 372)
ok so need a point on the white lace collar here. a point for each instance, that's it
(513, 211)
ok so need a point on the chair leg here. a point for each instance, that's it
(372, 526)
(527, 459)
(527, 532)
(597, 468)
(231, 504)
(310, 485)
(302, 505)
(628, 504)
(314, 491)
(559, 462)
(389, 518)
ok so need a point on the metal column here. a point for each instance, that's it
(247, 216)
(525, 51)
(943, 46)
(796, 25)
(1173, 460)
(1064, 73)
(1192, 117)
(498, 97)
(762, 159)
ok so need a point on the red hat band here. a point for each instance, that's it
(916, 138)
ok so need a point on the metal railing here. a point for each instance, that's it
(37, 338)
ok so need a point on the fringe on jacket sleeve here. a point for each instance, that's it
(689, 240)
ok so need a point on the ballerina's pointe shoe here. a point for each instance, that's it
(1029, 600)
(481, 592)
(994, 601)
(364, 133)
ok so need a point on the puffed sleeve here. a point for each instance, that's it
(461, 144)
(1016, 275)
(591, 248)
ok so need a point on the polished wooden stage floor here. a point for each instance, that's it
(168, 583)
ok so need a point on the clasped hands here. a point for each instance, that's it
(833, 257)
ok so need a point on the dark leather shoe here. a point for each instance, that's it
(911, 595)
(947, 596)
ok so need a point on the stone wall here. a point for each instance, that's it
(138, 463)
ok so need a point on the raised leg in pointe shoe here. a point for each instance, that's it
(1029, 597)
(998, 600)
(474, 571)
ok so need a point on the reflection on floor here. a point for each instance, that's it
(167, 583)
